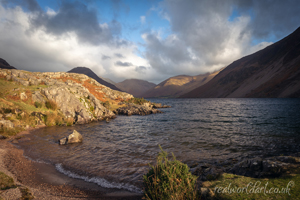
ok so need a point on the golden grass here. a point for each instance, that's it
(230, 186)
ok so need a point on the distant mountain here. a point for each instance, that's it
(5, 65)
(271, 72)
(90, 73)
(178, 85)
(135, 87)
(108, 80)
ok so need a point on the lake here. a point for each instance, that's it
(116, 154)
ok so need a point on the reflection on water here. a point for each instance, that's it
(194, 129)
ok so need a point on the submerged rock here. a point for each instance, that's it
(75, 137)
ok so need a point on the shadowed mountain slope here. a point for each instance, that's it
(135, 87)
(5, 65)
(91, 74)
(271, 72)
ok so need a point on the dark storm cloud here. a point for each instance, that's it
(119, 55)
(30, 5)
(123, 64)
(269, 17)
(77, 18)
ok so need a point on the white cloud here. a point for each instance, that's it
(38, 50)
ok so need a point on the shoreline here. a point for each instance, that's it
(45, 182)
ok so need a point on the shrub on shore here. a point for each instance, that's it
(169, 179)
(51, 105)
(38, 104)
(6, 182)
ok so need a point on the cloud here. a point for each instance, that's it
(104, 57)
(143, 19)
(197, 36)
(123, 64)
(271, 18)
(30, 5)
(77, 18)
(203, 39)
(141, 69)
(44, 50)
(119, 55)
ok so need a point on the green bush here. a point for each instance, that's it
(106, 104)
(169, 179)
(139, 101)
(51, 105)
(38, 104)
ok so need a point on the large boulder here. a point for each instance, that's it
(75, 137)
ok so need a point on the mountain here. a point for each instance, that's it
(135, 87)
(178, 85)
(5, 65)
(91, 74)
(271, 72)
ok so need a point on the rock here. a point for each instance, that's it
(259, 168)
(133, 109)
(159, 105)
(75, 137)
(2, 137)
(63, 141)
(288, 159)
(206, 193)
(8, 115)
(6, 124)
(37, 97)
(207, 172)
(23, 96)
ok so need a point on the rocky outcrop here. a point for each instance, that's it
(75, 137)
(134, 109)
(77, 96)
(207, 172)
(270, 167)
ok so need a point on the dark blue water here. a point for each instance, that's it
(117, 154)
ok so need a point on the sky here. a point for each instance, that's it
(143, 39)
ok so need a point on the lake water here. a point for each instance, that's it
(116, 154)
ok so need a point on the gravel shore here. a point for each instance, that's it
(44, 182)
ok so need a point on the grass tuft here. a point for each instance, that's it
(169, 179)
(51, 105)
(6, 182)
